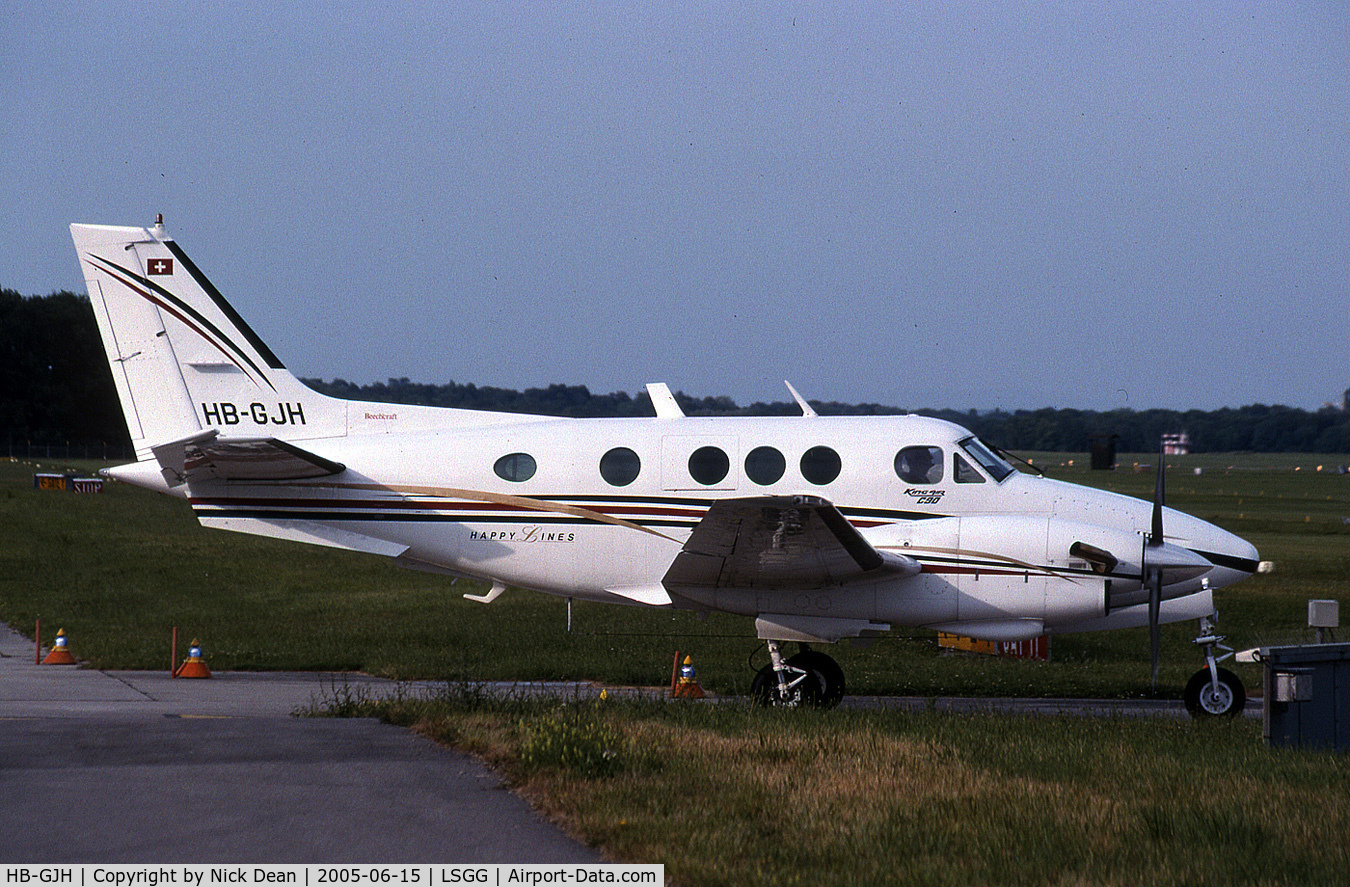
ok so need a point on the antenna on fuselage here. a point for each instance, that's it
(807, 412)
(663, 401)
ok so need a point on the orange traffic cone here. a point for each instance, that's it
(59, 654)
(688, 687)
(194, 667)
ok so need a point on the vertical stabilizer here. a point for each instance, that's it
(183, 360)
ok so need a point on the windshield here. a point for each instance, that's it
(987, 459)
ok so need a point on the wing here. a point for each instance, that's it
(207, 456)
(779, 543)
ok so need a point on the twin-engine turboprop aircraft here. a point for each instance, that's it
(818, 528)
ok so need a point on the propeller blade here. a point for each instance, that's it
(1159, 495)
(1154, 630)
(1154, 574)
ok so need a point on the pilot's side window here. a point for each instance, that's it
(820, 465)
(620, 466)
(919, 465)
(964, 472)
(765, 466)
(515, 467)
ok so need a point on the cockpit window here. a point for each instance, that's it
(964, 472)
(919, 465)
(987, 459)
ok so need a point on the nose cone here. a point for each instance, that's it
(1233, 557)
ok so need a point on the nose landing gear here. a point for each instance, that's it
(1214, 692)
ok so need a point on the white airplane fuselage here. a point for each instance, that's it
(820, 528)
(995, 554)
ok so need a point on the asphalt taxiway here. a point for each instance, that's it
(141, 767)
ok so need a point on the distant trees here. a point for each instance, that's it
(55, 385)
(1256, 428)
(56, 390)
(555, 400)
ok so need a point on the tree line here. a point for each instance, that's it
(56, 390)
(55, 386)
(1257, 428)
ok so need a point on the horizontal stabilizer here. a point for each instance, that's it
(779, 542)
(207, 456)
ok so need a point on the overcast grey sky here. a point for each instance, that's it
(949, 204)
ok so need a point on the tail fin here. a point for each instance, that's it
(183, 360)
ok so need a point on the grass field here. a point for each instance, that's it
(729, 794)
(733, 795)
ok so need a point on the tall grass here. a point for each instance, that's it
(730, 794)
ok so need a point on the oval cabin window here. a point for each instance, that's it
(765, 466)
(515, 467)
(820, 465)
(620, 466)
(709, 465)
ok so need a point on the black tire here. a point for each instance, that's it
(831, 675)
(1202, 701)
(807, 694)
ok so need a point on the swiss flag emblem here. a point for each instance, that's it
(159, 266)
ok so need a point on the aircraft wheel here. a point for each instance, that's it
(1204, 700)
(807, 694)
(831, 675)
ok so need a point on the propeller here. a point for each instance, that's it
(1153, 573)
(1160, 563)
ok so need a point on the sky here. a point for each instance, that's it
(944, 205)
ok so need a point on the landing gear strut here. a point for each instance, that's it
(1214, 692)
(809, 679)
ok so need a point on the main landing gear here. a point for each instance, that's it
(1214, 692)
(808, 679)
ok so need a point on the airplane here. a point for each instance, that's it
(820, 528)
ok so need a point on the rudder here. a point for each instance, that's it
(183, 360)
